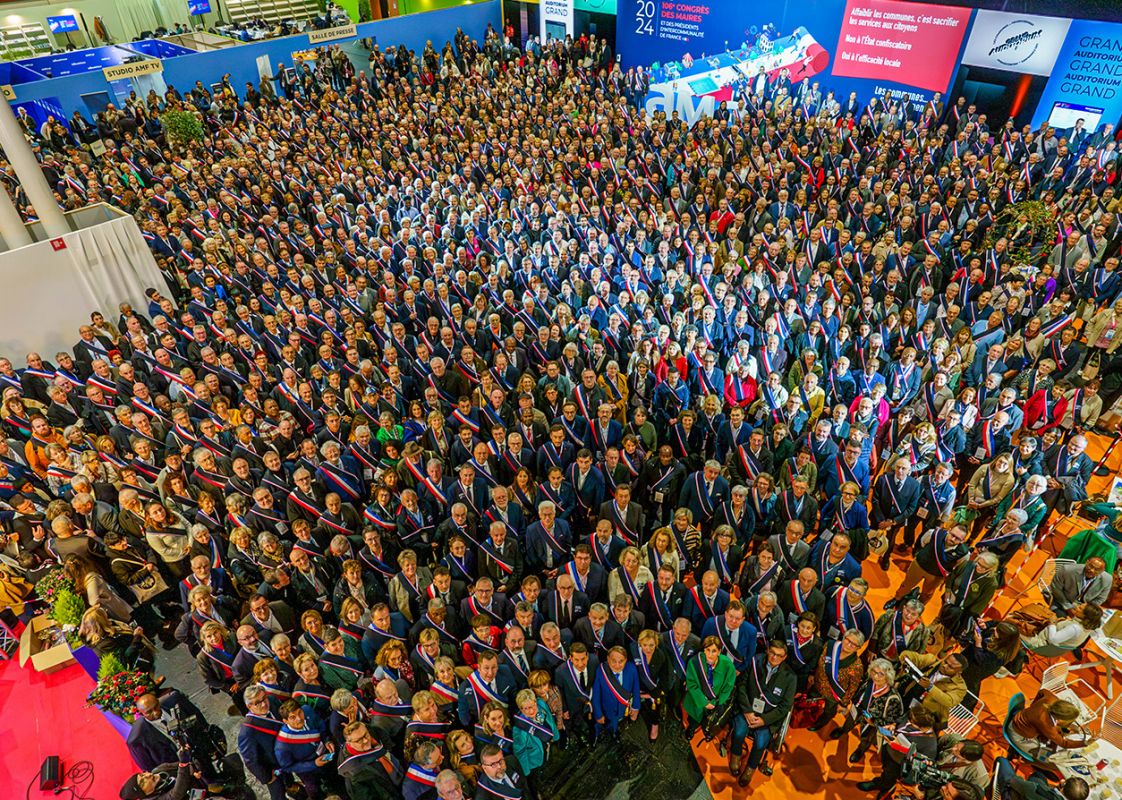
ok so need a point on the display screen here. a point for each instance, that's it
(64, 24)
(197, 7)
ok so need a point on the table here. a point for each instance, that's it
(1107, 781)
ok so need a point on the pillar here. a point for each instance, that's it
(30, 174)
(11, 223)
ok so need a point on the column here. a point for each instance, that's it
(30, 174)
(11, 223)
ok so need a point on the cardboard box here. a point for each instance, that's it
(44, 657)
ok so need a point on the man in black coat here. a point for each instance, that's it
(149, 740)
(765, 693)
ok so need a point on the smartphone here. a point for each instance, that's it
(328, 756)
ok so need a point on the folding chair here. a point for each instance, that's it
(1112, 724)
(960, 720)
(9, 642)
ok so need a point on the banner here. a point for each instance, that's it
(136, 68)
(916, 45)
(1086, 82)
(332, 34)
(1015, 42)
(556, 19)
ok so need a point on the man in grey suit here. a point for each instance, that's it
(1075, 584)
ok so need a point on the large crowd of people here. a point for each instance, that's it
(484, 415)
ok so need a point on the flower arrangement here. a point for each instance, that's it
(51, 584)
(67, 611)
(117, 693)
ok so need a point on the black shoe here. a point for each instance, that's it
(766, 769)
(818, 725)
(745, 777)
(869, 786)
(891, 604)
(856, 755)
(837, 733)
(884, 563)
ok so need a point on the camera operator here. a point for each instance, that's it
(961, 758)
(172, 781)
(914, 738)
(163, 726)
(1011, 786)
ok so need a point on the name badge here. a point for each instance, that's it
(368, 474)
(921, 513)
(792, 618)
(885, 453)
(659, 497)
(833, 633)
(980, 453)
(758, 706)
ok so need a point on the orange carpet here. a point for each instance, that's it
(817, 768)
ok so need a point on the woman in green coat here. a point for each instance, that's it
(710, 680)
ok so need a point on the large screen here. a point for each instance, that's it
(198, 7)
(715, 49)
(63, 24)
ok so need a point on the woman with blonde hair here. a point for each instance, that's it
(463, 757)
(88, 580)
(106, 636)
(661, 550)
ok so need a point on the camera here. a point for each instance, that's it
(921, 771)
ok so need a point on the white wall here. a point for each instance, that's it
(48, 293)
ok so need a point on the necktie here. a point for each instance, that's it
(583, 680)
(522, 663)
(566, 613)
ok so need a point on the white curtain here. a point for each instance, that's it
(48, 290)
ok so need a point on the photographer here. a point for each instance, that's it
(172, 781)
(914, 739)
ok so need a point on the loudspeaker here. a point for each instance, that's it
(50, 774)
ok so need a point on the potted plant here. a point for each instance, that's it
(182, 128)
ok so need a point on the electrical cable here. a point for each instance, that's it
(81, 777)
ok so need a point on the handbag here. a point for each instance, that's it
(151, 585)
(806, 710)
(715, 718)
(964, 515)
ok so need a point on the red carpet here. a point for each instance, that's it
(42, 715)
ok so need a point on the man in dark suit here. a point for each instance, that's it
(497, 780)
(738, 638)
(763, 700)
(705, 600)
(548, 541)
(801, 594)
(252, 650)
(895, 499)
(625, 516)
(662, 599)
(703, 492)
(598, 631)
(574, 680)
(588, 576)
(489, 682)
(680, 645)
(564, 605)
(149, 741)
(257, 738)
(1068, 469)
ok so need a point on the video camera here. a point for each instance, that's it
(921, 771)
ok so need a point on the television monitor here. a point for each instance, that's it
(198, 7)
(64, 24)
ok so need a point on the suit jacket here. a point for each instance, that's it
(147, 744)
(943, 695)
(1067, 587)
(550, 604)
(576, 701)
(283, 614)
(745, 649)
(611, 636)
(694, 497)
(660, 614)
(777, 693)
(629, 525)
(538, 545)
